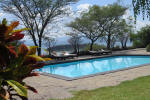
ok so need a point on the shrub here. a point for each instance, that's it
(137, 44)
(16, 63)
(82, 53)
(95, 47)
(148, 48)
(116, 48)
(141, 38)
(130, 47)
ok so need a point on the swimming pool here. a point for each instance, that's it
(93, 66)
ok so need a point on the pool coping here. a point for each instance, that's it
(92, 75)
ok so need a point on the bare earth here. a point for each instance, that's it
(49, 87)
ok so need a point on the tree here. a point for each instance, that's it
(36, 15)
(89, 25)
(98, 22)
(113, 14)
(141, 39)
(50, 43)
(141, 6)
(75, 41)
(124, 31)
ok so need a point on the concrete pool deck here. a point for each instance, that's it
(49, 87)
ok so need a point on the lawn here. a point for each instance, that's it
(138, 89)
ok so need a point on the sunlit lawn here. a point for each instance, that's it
(138, 89)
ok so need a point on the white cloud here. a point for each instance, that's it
(140, 24)
(105, 5)
(2, 14)
(83, 7)
(127, 14)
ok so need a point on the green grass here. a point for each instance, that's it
(138, 89)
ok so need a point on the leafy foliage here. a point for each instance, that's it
(148, 48)
(141, 39)
(18, 87)
(141, 6)
(124, 31)
(99, 23)
(16, 63)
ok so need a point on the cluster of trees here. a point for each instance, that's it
(99, 23)
(104, 23)
(141, 38)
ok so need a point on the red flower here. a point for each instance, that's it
(23, 49)
(15, 36)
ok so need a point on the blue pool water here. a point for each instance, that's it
(93, 66)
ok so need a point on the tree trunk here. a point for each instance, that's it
(91, 46)
(108, 41)
(75, 49)
(78, 48)
(125, 44)
(39, 51)
(39, 48)
(122, 45)
(49, 51)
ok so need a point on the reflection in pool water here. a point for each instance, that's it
(87, 67)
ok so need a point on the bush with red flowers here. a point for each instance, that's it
(16, 63)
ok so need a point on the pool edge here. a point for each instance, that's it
(92, 75)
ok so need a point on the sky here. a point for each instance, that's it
(83, 5)
(101, 2)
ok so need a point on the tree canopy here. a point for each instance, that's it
(99, 22)
(36, 15)
(87, 28)
(125, 28)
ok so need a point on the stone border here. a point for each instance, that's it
(92, 75)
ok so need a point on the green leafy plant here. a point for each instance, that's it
(16, 63)
(148, 48)
(141, 38)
